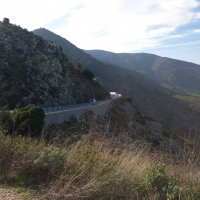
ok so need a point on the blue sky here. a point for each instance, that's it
(169, 28)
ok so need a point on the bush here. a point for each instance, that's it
(28, 119)
(88, 74)
(51, 158)
(85, 72)
(165, 187)
(5, 120)
(5, 115)
(6, 21)
(78, 66)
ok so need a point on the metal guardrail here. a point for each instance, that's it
(69, 107)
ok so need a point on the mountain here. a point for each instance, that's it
(34, 70)
(148, 96)
(175, 74)
(76, 55)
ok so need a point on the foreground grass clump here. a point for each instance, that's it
(93, 167)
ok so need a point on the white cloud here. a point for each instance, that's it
(114, 25)
(182, 49)
(197, 15)
(190, 43)
(127, 23)
(197, 31)
(33, 14)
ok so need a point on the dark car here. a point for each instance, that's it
(93, 102)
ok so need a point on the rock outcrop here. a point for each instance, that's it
(34, 70)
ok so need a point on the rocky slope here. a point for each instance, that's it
(132, 126)
(148, 96)
(124, 121)
(175, 74)
(100, 69)
(34, 70)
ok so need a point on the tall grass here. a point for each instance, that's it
(97, 167)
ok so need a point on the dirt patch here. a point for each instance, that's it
(8, 194)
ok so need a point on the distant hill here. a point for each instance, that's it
(171, 73)
(34, 70)
(147, 95)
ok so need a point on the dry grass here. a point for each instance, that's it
(97, 167)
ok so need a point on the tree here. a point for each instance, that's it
(88, 74)
(28, 120)
(78, 66)
(85, 72)
(6, 21)
(5, 120)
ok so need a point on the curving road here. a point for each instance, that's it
(113, 95)
(62, 113)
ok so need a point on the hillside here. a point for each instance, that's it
(148, 96)
(34, 70)
(174, 74)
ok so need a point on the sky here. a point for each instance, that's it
(169, 28)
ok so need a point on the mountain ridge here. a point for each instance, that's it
(180, 75)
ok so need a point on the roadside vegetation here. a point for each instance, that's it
(94, 166)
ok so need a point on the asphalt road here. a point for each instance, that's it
(113, 95)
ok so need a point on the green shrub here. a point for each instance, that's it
(5, 120)
(165, 187)
(78, 66)
(88, 74)
(51, 158)
(28, 119)
(85, 72)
